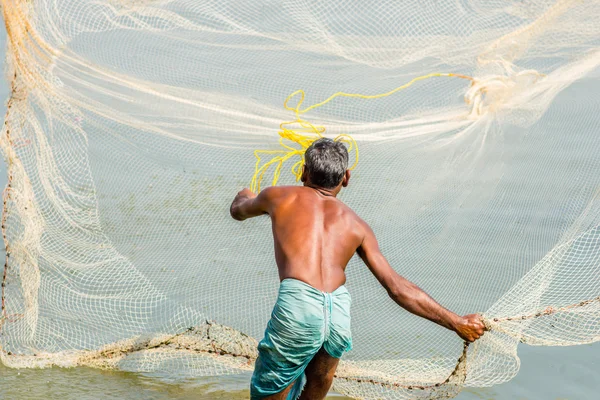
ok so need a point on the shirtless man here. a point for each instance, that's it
(315, 237)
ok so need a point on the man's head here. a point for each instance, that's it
(326, 164)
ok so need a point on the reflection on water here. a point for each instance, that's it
(88, 383)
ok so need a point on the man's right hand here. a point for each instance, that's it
(245, 194)
(470, 327)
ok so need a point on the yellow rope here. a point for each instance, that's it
(307, 133)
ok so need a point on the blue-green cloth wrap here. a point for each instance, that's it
(303, 320)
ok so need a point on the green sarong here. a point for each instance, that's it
(303, 320)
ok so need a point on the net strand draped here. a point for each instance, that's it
(132, 124)
(312, 133)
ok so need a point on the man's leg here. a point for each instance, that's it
(319, 376)
(281, 395)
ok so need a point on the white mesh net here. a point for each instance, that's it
(131, 125)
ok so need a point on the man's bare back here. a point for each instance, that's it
(315, 235)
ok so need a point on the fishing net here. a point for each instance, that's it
(132, 124)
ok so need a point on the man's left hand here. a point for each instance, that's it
(470, 327)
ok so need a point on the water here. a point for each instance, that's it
(546, 373)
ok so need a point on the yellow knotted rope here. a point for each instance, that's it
(307, 133)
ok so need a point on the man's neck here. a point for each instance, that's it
(325, 192)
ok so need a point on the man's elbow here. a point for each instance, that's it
(395, 293)
(400, 292)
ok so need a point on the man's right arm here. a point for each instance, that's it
(247, 204)
(410, 297)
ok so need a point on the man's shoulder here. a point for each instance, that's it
(275, 194)
(359, 223)
(276, 191)
(349, 214)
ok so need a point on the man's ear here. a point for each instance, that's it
(346, 178)
(304, 176)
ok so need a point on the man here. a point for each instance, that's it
(315, 237)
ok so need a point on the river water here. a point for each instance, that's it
(546, 373)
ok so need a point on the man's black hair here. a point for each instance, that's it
(326, 162)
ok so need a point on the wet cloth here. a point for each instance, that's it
(303, 320)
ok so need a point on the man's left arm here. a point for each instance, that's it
(247, 204)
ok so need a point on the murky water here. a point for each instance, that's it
(546, 374)
(88, 383)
